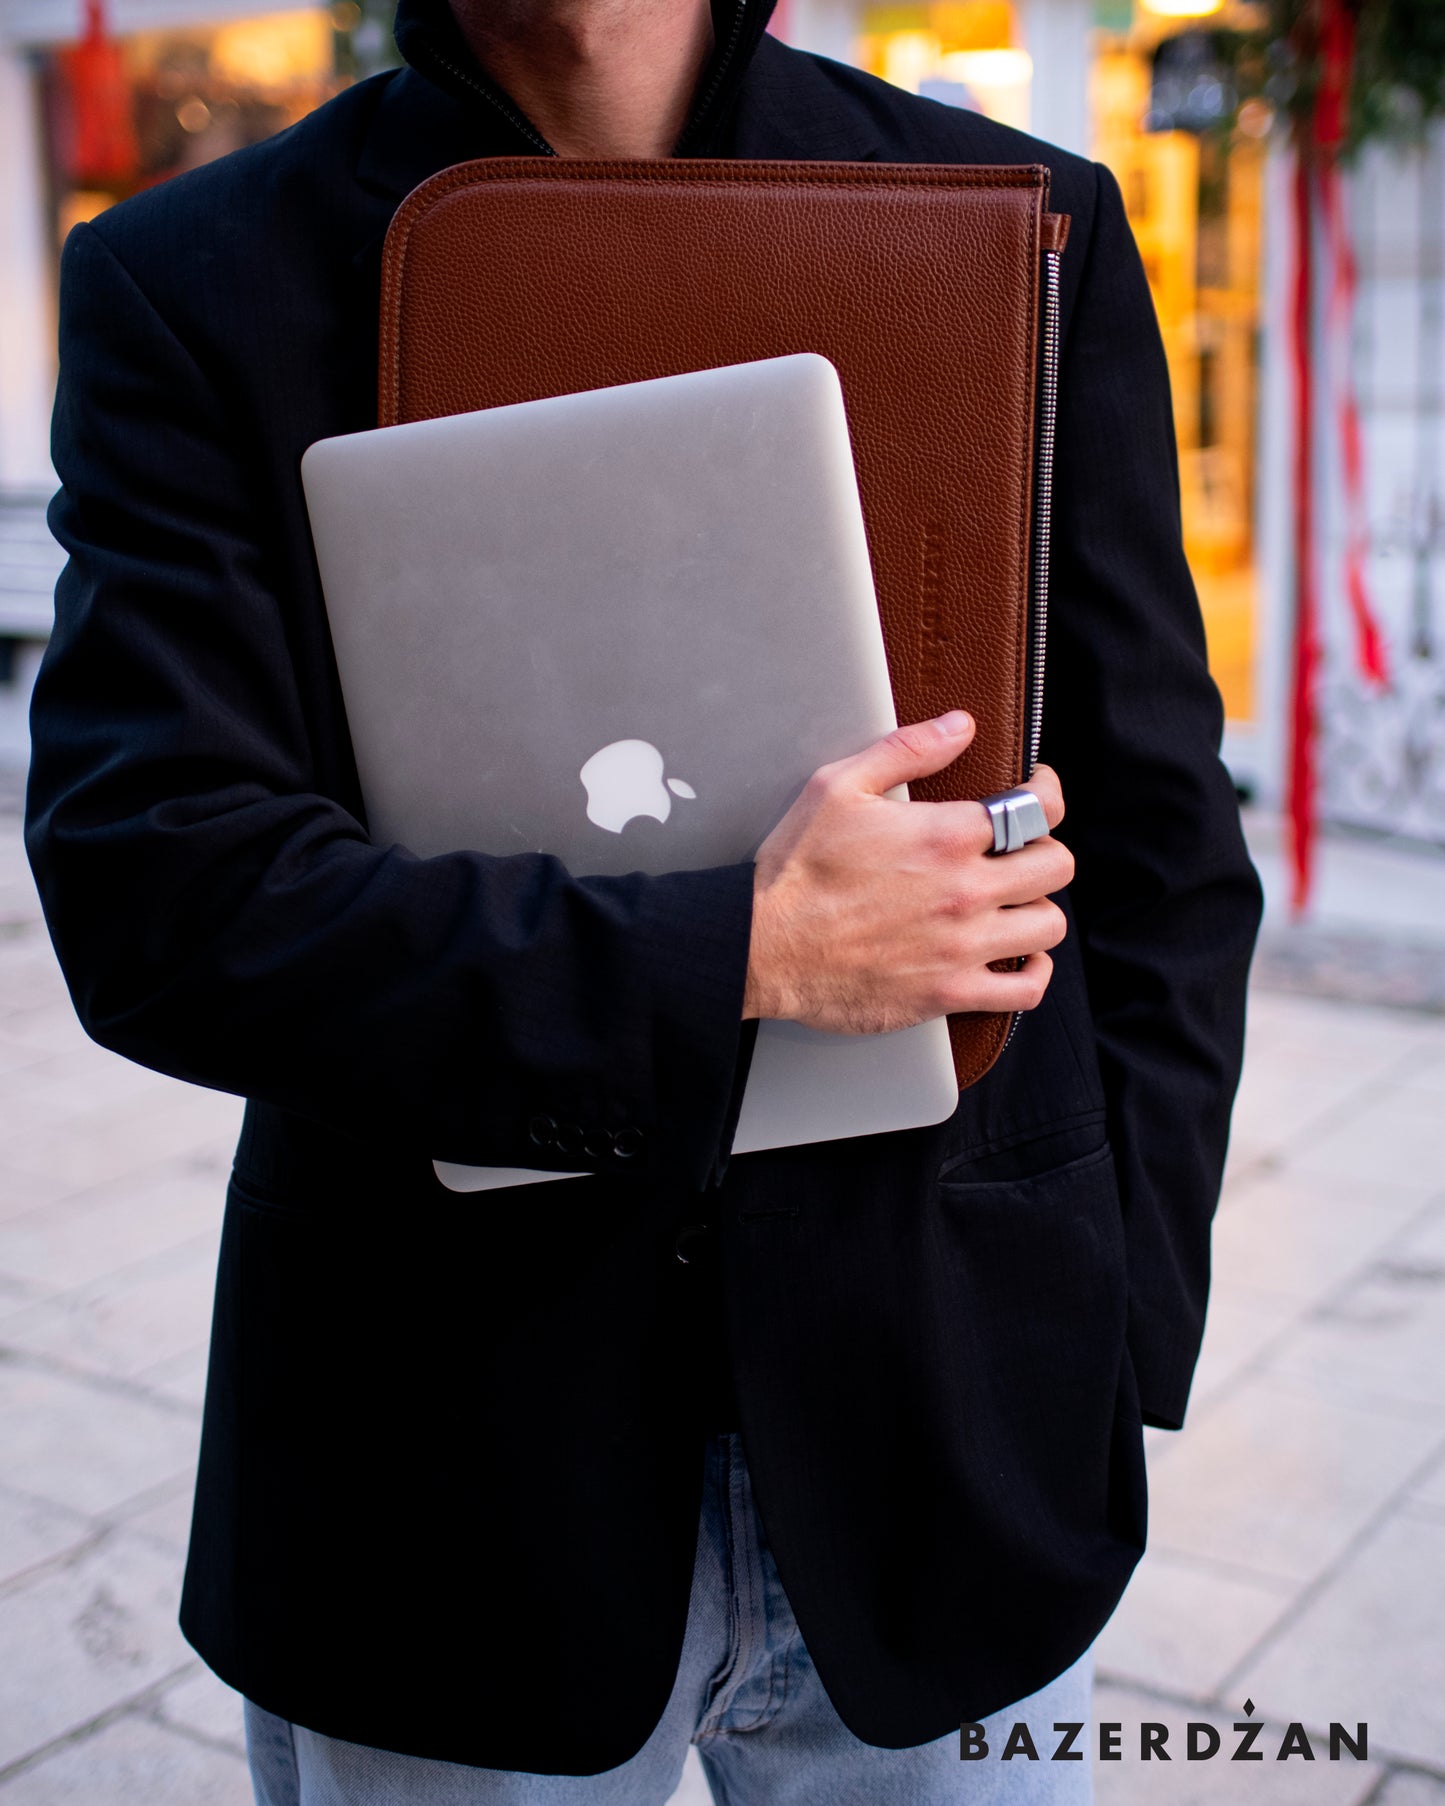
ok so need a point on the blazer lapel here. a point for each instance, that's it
(789, 109)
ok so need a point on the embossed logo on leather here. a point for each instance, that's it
(933, 629)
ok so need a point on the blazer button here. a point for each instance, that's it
(626, 1143)
(568, 1139)
(542, 1131)
(597, 1145)
(691, 1242)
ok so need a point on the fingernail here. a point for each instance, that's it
(954, 723)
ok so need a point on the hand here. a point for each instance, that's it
(872, 913)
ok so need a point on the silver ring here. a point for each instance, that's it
(1017, 816)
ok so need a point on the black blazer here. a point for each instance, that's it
(451, 1457)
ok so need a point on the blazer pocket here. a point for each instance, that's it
(1046, 1246)
(1036, 1299)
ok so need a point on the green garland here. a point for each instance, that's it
(1398, 79)
(1400, 68)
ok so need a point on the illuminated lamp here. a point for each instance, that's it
(988, 68)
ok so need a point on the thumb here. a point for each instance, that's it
(909, 752)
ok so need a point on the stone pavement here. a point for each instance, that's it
(1298, 1546)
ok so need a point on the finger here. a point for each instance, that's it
(1027, 929)
(959, 831)
(1037, 870)
(1022, 989)
(1046, 787)
(914, 751)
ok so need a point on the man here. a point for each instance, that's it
(473, 1518)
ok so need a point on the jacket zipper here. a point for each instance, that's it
(535, 138)
(1043, 514)
(724, 63)
(510, 114)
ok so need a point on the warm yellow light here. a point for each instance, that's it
(909, 57)
(274, 50)
(988, 68)
(1182, 9)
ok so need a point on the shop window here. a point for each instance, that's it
(127, 114)
(1193, 192)
(963, 52)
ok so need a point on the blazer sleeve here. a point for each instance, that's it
(1166, 899)
(220, 920)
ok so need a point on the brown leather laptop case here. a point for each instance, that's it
(934, 292)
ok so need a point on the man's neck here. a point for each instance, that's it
(598, 78)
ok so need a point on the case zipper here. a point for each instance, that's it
(1043, 512)
(1043, 515)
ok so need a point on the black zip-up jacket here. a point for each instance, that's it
(451, 1458)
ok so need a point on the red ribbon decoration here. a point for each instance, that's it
(1369, 641)
(103, 152)
(1302, 775)
(1328, 34)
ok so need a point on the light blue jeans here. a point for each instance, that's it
(746, 1694)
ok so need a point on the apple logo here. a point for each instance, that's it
(624, 780)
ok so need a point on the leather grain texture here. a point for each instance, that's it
(511, 279)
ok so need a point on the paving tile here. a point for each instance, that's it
(1427, 1074)
(80, 1640)
(1406, 1789)
(29, 975)
(1293, 1236)
(1246, 1157)
(15, 1293)
(201, 1702)
(20, 1193)
(1429, 1487)
(182, 1378)
(1277, 1476)
(90, 1077)
(1377, 1044)
(50, 1027)
(33, 1531)
(1369, 1644)
(128, 1136)
(164, 1515)
(1181, 1627)
(1219, 1781)
(110, 1226)
(28, 1104)
(1396, 1138)
(58, 1090)
(145, 1314)
(133, 1762)
(1238, 1330)
(1384, 1334)
(16, 1056)
(1282, 1102)
(86, 1446)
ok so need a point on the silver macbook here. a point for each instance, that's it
(622, 627)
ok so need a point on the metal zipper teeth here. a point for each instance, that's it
(1043, 513)
(534, 137)
(1043, 510)
(699, 112)
(513, 118)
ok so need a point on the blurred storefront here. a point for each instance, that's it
(1200, 144)
(100, 101)
(1132, 83)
